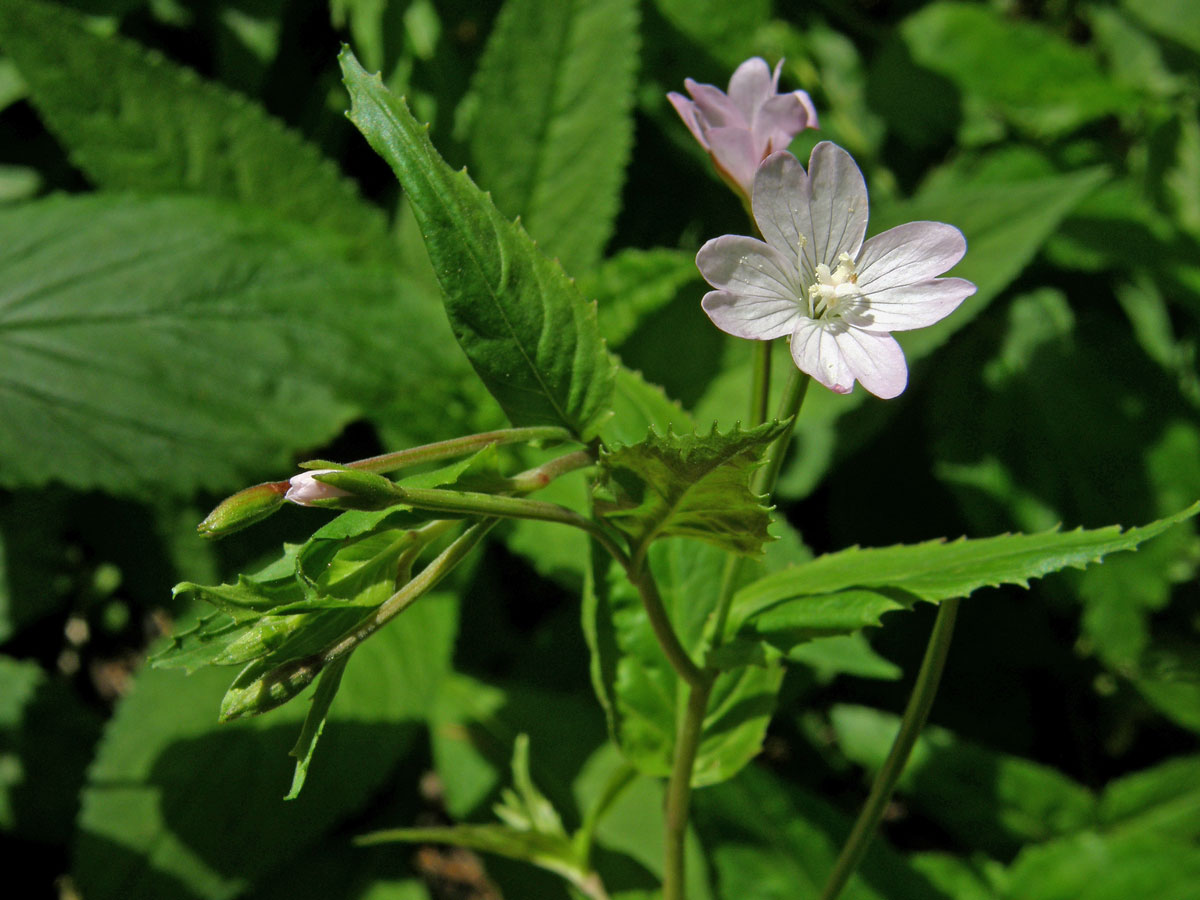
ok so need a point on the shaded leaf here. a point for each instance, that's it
(133, 120)
(633, 284)
(992, 801)
(1058, 86)
(143, 832)
(173, 344)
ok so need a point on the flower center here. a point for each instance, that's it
(835, 292)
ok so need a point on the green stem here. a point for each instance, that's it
(915, 716)
(460, 446)
(471, 503)
(691, 726)
(583, 839)
(538, 477)
(424, 581)
(679, 789)
(677, 656)
(760, 389)
(793, 398)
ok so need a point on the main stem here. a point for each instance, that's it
(691, 726)
(915, 716)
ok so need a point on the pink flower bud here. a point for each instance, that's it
(305, 490)
(741, 128)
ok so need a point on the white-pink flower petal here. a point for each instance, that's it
(908, 254)
(840, 298)
(816, 352)
(875, 359)
(910, 306)
(305, 488)
(838, 208)
(766, 119)
(759, 319)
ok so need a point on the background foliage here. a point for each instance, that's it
(206, 275)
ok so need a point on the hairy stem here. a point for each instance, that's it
(460, 446)
(691, 726)
(676, 655)
(794, 393)
(760, 389)
(423, 582)
(915, 715)
(679, 788)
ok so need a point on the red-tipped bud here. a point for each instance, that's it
(243, 509)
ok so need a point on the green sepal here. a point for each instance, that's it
(695, 486)
(365, 490)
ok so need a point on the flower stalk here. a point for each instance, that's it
(435, 452)
(915, 716)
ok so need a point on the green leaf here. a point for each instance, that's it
(314, 722)
(551, 852)
(1058, 87)
(769, 840)
(1090, 866)
(46, 741)
(1175, 20)
(642, 695)
(694, 486)
(132, 120)
(179, 806)
(552, 119)
(531, 337)
(633, 284)
(991, 801)
(639, 406)
(476, 724)
(841, 592)
(160, 346)
(630, 826)
(1163, 801)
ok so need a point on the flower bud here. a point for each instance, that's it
(342, 489)
(305, 490)
(243, 509)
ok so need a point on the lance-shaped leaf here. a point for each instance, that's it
(525, 327)
(552, 119)
(839, 593)
(692, 485)
(133, 120)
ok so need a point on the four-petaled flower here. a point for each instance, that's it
(742, 128)
(816, 281)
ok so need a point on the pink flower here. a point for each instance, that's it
(814, 279)
(742, 128)
(305, 489)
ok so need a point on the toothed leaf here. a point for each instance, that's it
(695, 486)
(522, 323)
